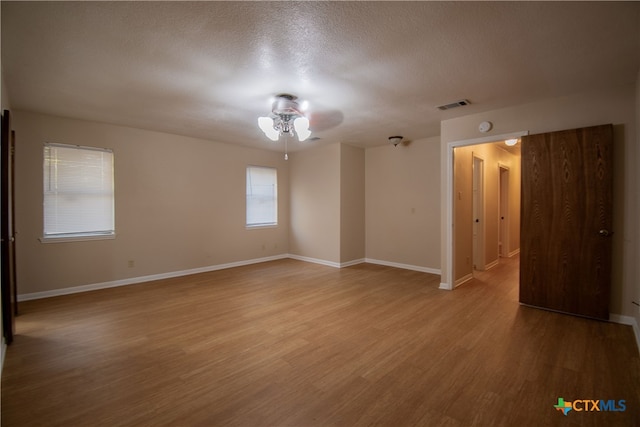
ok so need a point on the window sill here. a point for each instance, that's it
(253, 227)
(78, 238)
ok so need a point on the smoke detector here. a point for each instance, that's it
(485, 127)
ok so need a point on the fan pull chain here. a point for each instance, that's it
(286, 140)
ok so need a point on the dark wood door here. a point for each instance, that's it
(7, 253)
(565, 261)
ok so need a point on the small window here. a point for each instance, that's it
(78, 192)
(262, 196)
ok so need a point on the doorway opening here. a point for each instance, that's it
(483, 206)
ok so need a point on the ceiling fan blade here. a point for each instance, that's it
(323, 120)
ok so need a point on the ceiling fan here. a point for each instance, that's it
(286, 116)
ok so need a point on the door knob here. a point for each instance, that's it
(604, 232)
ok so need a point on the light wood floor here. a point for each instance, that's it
(289, 343)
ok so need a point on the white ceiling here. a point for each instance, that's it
(369, 70)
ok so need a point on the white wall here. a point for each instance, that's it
(352, 204)
(179, 204)
(403, 204)
(315, 203)
(616, 105)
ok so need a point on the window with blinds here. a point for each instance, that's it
(78, 192)
(262, 196)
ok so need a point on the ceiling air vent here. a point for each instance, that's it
(456, 104)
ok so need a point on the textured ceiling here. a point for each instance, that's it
(369, 70)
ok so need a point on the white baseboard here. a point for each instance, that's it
(352, 262)
(463, 279)
(492, 264)
(404, 266)
(627, 320)
(315, 260)
(142, 279)
(512, 253)
(445, 286)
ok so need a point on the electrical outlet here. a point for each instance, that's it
(131, 263)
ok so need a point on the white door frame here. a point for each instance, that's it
(446, 277)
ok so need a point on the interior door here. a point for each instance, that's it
(478, 213)
(565, 262)
(503, 230)
(6, 224)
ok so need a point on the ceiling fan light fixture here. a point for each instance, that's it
(301, 125)
(266, 124)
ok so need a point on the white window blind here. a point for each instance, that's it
(262, 196)
(78, 191)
